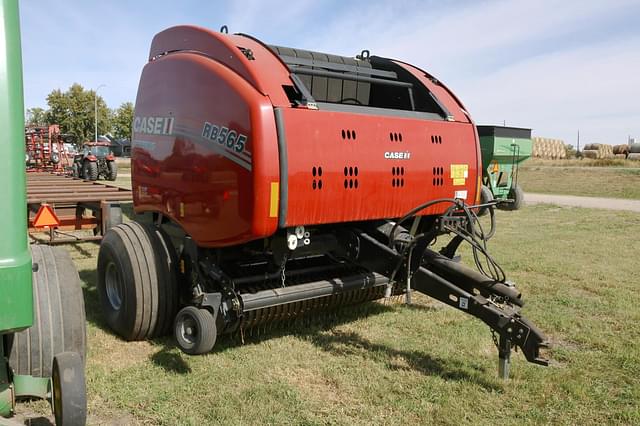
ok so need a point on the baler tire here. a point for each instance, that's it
(486, 196)
(69, 392)
(113, 170)
(517, 195)
(59, 316)
(137, 281)
(195, 330)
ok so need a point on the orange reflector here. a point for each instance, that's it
(45, 217)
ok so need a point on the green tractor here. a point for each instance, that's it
(42, 320)
(503, 149)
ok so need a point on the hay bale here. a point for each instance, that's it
(548, 148)
(622, 156)
(590, 153)
(621, 149)
(634, 156)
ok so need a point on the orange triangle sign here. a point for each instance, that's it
(45, 217)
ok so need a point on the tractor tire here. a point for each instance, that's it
(113, 170)
(195, 330)
(90, 170)
(517, 195)
(59, 317)
(486, 196)
(69, 390)
(137, 281)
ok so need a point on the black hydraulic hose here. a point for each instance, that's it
(472, 235)
(415, 210)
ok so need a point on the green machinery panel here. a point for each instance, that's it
(16, 293)
(503, 148)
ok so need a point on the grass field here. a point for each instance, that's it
(393, 364)
(615, 182)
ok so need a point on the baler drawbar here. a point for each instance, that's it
(272, 182)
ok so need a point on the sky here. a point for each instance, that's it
(556, 66)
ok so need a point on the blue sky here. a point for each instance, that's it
(555, 66)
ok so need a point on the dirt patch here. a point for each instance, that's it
(110, 353)
(312, 383)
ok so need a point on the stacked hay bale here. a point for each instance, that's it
(634, 151)
(548, 148)
(598, 150)
(621, 151)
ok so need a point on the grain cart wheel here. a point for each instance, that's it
(195, 330)
(517, 195)
(68, 390)
(486, 196)
(59, 319)
(113, 170)
(90, 170)
(137, 281)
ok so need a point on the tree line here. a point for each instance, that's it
(73, 110)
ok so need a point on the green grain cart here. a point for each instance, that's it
(503, 149)
(42, 322)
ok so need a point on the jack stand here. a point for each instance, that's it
(504, 357)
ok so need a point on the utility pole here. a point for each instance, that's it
(95, 111)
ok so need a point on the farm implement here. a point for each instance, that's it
(272, 182)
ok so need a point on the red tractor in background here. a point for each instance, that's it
(95, 160)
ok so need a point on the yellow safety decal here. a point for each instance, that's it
(275, 191)
(459, 174)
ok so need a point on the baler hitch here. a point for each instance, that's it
(496, 303)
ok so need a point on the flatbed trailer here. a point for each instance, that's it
(77, 204)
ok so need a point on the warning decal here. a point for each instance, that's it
(459, 174)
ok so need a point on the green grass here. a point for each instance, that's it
(584, 162)
(392, 364)
(586, 181)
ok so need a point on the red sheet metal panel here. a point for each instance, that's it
(390, 166)
(213, 170)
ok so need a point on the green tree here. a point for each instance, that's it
(122, 121)
(73, 110)
(36, 117)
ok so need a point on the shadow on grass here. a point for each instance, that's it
(81, 250)
(92, 306)
(350, 343)
(33, 421)
(170, 361)
(318, 328)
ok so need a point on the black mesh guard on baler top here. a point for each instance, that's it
(368, 82)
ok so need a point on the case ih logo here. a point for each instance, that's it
(393, 155)
(153, 125)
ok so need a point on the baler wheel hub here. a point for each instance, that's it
(114, 287)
